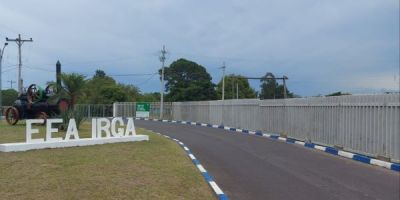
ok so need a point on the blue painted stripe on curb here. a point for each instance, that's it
(222, 197)
(331, 150)
(220, 126)
(232, 129)
(207, 176)
(290, 140)
(274, 136)
(309, 145)
(196, 162)
(259, 133)
(361, 158)
(245, 131)
(198, 124)
(209, 125)
(395, 167)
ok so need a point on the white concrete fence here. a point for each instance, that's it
(366, 124)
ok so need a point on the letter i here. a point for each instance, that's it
(94, 128)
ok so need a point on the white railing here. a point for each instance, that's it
(367, 124)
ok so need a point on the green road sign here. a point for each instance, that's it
(142, 109)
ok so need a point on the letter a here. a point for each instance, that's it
(130, 127)
(72, 130)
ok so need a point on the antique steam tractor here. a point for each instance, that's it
(37, 102)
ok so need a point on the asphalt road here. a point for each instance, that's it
(252, 167)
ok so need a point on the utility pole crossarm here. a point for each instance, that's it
(18, 40)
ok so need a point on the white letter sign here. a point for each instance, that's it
(30, 130)
(101, 128)
(72, 130)
(50, 129)
(120, 131)
(114, 129)
(130, 127)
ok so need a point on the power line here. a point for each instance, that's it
(9, 69)
(11, 83)
(133, 74)
(9, 66)
(39, 68)
(112, 75)
(145, 81)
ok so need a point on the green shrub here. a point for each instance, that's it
(71, 114)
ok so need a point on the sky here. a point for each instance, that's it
(321, 46)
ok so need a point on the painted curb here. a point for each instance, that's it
(209, 179)
(326, 149)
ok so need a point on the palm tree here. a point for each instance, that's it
(72, 86)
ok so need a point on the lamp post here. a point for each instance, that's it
(1, 97)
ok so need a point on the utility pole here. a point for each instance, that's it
(223, 80)
(11, 83)
(284, 87)
(1, 97)
(19, 42)
(233, 89)
(237, 90)
(162, 60)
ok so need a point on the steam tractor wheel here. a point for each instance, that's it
(42, 115)
(12, 115)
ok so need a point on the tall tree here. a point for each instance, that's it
(338, 94)
(99, 74)
(113, 93)
(102, 89)
(72, 86)
(132, 92)
(270, 89)
(9, 96)
(245, 91)
(93, 88)
(188, 81)
(149, 97)
(268, 86)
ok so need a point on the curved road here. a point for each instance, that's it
(252, 167)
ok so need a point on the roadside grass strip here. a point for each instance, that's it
(209, 179)
(357, 157)
(155, 169)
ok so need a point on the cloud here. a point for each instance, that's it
(322, 46)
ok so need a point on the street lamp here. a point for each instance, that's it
(1, 97)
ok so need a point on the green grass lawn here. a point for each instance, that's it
(155, 169)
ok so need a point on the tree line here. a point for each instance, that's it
(189, 81)
(185, 81)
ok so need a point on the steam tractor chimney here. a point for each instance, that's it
(58, 73)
